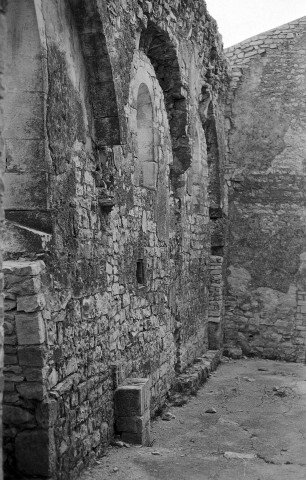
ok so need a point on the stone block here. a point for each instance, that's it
(33, 453)
(10, 340)
(46, 413)
(27, 286)
(22, 268)
(30, 328)
(31, 390)
(31, 356)
(134, 424)
(31, 303)
(10, 359)
(10, 397)
(9, 386)
(13, 377)
(145, 384)
(9, 304)
(16, 416)
(35, 374)
(141, 438)
(132, 401)
(8, 328)
(117, 373)
(66, 385)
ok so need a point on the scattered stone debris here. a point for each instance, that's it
(263, 369)
(115, 469)
(225, 359)
(179, 400)
(156, 453)
(281, 391)
(248, 379)
(119, 444)
(167, 416)
(211, 410)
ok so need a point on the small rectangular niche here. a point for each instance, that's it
(140, 272)
(217, 251)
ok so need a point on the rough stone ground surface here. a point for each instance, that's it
(257, 433)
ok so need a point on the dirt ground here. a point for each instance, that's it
(257, 433)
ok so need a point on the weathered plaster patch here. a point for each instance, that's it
(238, 280)
(292, 158)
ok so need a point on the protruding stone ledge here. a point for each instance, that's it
(192, 379)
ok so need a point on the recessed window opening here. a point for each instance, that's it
(140, 272)
(145, 138)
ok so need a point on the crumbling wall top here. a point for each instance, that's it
(259, 45)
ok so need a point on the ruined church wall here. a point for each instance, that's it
(265, 313)
(202, 75)
(127, 268)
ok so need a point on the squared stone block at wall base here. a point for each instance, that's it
(132, 411)
(134, 424)
(33, 450)
(142, 438)
(132, 398)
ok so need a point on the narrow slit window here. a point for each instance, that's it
(145, 138)
(140, 272)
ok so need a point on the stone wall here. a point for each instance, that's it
(2, 156)
(216, 303)
(26, 402)
(266, 176)
(123, 227)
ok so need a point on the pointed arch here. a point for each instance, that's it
(162, 53)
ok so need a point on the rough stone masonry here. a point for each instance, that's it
(2, 65)
(114, 204)
(146, 181)
(265, 313)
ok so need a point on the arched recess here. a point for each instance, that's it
(27, 167)
(159, 48)
(100, 75)
(145, 138)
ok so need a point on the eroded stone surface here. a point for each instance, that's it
(119, 126)
(117, 210)
(266, 282)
